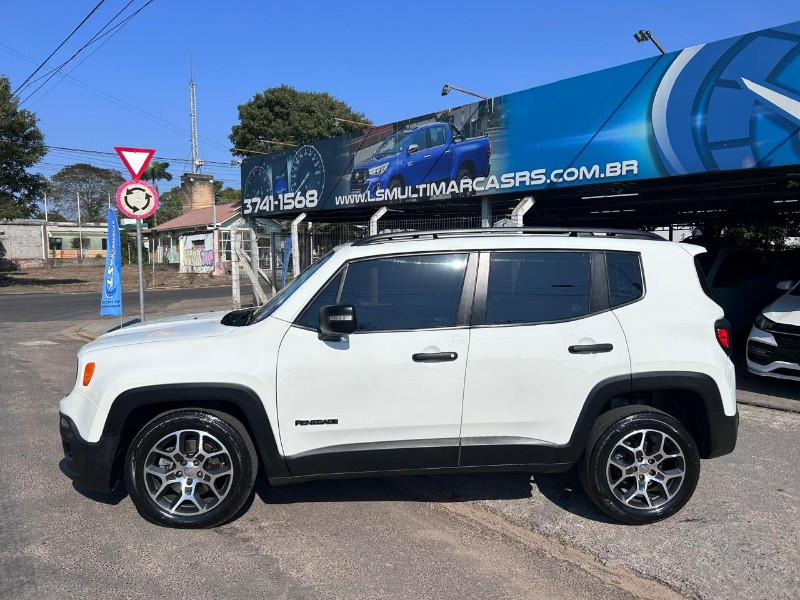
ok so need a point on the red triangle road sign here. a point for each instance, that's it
(135, 159)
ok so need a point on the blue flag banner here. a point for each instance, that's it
(287, 255)
(111, 300)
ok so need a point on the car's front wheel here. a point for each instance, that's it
(641, 465)
(190, 468)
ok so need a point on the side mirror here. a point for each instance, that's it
(335, 321)
(785, 285)
(413, 148)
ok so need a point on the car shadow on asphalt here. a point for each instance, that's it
(562, 489)
(114, 497)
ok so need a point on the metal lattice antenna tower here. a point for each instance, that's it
(196, 161)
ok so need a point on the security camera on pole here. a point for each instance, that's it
(137, 200)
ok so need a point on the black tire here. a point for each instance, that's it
(464, 173)
(394, 183)
(661, 460)
(205, 453)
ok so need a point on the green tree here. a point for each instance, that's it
(52, 216)
(95, 186)
(157, 171)
(283, 114)
(21, 146)
(226, 195)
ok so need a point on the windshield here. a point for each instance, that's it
(265, 310)
(393, 144)
(795, 291)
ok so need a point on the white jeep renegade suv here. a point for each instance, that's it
(424, 352)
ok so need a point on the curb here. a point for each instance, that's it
(86, 336)
(791, 406)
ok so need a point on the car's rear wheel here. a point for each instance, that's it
(641, 465)
(190, 468)
(464, 172)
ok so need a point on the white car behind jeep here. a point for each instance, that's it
(773, 346)
(422, 352)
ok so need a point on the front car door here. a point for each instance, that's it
(543, 337)
(389, 395)
(418, 163)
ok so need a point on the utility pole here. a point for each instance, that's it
(80, 231)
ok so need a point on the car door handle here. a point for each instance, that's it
(427, 156)
(434, 356)
(590, 348)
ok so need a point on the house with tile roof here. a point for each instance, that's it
(196, 243)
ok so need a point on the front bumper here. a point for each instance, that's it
(94, 466)
(773, 354)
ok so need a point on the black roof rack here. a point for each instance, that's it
(434, 234)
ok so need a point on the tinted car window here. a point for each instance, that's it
(310, 317)
(530, 287)
(405, 292)
(437, 136)
(420, 139)
(624, 277)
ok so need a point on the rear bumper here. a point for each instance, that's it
(724, 431)
(90, 465)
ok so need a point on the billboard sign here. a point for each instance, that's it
(727, 105)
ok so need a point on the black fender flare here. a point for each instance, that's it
(213, 396)
(721, 429)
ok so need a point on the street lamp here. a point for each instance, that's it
(643, 36)
(447, 87)
(338, 120)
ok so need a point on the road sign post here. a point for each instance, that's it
(141, 273)
(137, 200)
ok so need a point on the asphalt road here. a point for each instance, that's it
(357, 539)
(70, 307)
(476, 536)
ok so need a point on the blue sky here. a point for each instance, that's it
(387, 60)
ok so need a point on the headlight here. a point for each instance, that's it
(379, 170)
(763, 323)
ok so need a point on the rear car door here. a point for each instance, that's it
(543, 336)
(389, 395)
(441, 154)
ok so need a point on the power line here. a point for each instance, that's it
(96, 37)
(106, 153)
(93, 39)
(102, 94)
(36, 70)
(113, 99)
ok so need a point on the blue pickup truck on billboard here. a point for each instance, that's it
(723, 106)
(437, 152)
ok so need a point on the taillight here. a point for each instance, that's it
(722, 329)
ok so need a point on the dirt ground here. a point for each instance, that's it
(87, 278)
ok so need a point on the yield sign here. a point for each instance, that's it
(135, 159)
